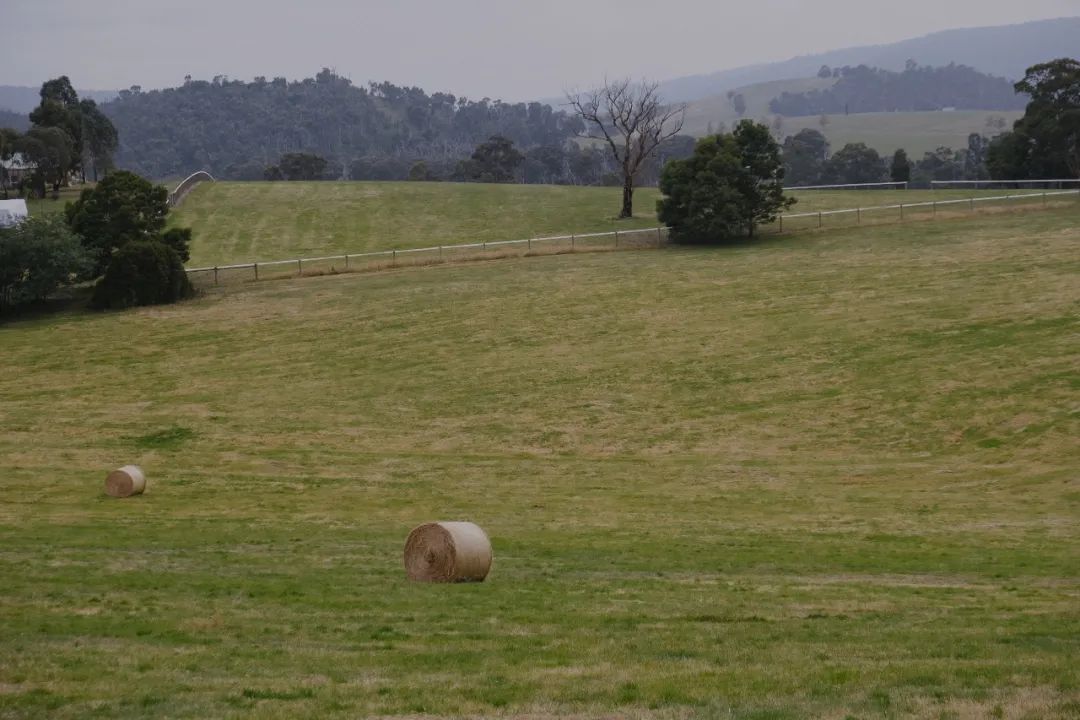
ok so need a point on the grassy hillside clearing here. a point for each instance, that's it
(916, 132)
(720, 109)
(823, 476)
(244, 222)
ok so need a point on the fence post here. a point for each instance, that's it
(573, 241)
(215, 275)
(528, 244)
(659, 238)
(901, 212)
(858, 216)
(393, 257)
(256, 271)
(299, 267)
(819, 221)
(346, 261)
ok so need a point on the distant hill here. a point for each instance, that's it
(24, 99)
(235, 129)
(864, 89)
(19, 121)
(1006, 51)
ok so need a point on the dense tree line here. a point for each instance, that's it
(237, 129)
(808, 161)
(864, 89)
(491, 161)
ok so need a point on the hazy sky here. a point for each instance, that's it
(496, 48)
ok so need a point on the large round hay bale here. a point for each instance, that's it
(125, 482)
(447, 552)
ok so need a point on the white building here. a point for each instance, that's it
(16, 168)
(12, 212)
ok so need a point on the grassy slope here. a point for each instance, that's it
(243, 222)
(236, 222)
(719, 109)
(819, 476)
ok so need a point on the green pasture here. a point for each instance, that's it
(829, 475)
(237, 222)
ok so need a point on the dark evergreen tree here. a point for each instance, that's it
(731, 184)
(900, 170)
(855, 163)
(1045, 143)
(123, 208)
(805, 155)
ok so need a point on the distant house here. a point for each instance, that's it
(12, 212)
(17, 168)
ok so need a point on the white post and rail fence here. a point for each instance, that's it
(603, 241)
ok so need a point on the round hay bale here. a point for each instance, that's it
(447, 552)
(125, 482)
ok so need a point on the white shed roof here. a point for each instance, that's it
(12, 211)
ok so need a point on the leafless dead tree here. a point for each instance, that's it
(632, 119)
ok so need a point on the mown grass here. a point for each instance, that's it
(830, 475)
(49, 205)
(237, 222)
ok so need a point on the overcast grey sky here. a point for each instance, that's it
(496, 48)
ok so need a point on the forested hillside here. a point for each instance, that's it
(237, 129)
(866, 90)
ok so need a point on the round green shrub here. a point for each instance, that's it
(144, 272)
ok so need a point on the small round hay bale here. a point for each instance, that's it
(125, 482)
(448, 552)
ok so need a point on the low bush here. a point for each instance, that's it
(144, 272)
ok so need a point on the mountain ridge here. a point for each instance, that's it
(1001, 50)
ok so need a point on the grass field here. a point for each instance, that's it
(47, 205)
(831, 475)
(244, 221)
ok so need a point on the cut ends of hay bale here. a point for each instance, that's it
(125, 482)
(448, 552)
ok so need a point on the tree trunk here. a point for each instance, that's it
(627, 198)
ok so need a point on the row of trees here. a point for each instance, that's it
(864, 89)
(497, 159)
(808, 161)
(114, 234)
(67, 136)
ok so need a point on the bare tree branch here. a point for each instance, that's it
(632, 119)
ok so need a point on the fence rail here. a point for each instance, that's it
(1015, 184)
(853, 186)
(404, 257)
(177, 196)
(585, 242)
